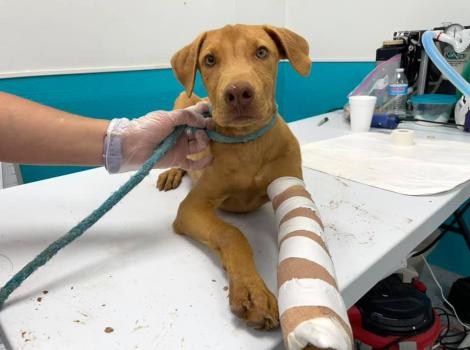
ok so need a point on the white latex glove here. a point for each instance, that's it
(129, 143)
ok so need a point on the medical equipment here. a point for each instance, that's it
(459, 38)
(385, 121)
(395, 315)
(433, 107)
(422, 74)
(459, 295)
(402, 137)
(389, 121)
(447, 61)
(462, 113)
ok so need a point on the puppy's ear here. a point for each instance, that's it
(185, 62)
(291, 46)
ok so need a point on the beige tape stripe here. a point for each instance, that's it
(294, 316)
(290, 192)
(308, 234)
(302, 212)
(302, 268)
(281, 184)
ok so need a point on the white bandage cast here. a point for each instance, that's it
(310, 305)
(298, 223)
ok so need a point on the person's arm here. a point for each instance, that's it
(31, 133)
(35, 134)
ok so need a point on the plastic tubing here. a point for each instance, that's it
(441, 63)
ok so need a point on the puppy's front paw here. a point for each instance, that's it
(170, 179)
(252, 301)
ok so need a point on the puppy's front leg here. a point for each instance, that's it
(249, 297)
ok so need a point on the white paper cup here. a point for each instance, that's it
(361, 110)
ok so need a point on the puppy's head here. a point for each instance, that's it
(238, 65)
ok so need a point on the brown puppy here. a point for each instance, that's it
(238, 65)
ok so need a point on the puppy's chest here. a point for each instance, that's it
(245, 169)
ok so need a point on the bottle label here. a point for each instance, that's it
(397, 89)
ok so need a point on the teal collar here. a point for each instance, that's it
(218, 137)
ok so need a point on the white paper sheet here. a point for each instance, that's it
(430, 166)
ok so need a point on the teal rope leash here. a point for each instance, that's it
(90, 220)
(112, 200)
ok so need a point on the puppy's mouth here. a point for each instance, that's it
(233, 117)
(247, 117)
(242, 119)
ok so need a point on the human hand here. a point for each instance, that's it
(129, 143)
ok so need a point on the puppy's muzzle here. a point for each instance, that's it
(239, 96)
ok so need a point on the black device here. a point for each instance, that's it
(459, 297)
(395, 315)
(396, 308)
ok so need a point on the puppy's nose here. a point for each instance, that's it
(239, 94)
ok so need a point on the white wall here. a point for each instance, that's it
(57, 36)
(66, 36)
(351, 30)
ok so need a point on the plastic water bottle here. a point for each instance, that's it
(398, 91)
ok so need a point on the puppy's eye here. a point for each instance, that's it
(262, 52)
(209, 60)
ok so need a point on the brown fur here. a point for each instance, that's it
(238, 177)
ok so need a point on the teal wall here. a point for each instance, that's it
(132, 94)
(103, 95)
(452, 253)
(325, 89)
